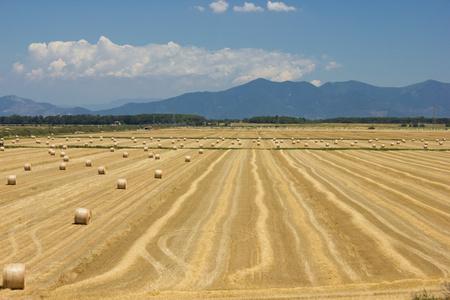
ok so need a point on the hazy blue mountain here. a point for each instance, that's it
(264, 98)
(302, 99)
(13, 105)
(116, 103)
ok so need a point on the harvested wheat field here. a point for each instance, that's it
(245, 219)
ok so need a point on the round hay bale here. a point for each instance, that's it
(187, 159)
(174, 148)
(392, 143)
(200, 151)
(382, 145)
(157, 156)
(62, 154)
(63, 166)
(425, 146)
(278, 145)
(66, 158)
(254, 141)
(327, 145)
(200, 146)
(64, 146)
(122, 184)
(151, 138)
(173, 142)
(240, 143)
(2, 148)
(374, 146)
(135, 141)
(67, 139)
(91, 141)
(232, 143)
(184, 139)
(144, 143)
(12, 180)
(53, 153)
(352, 144)
(27, 167)
(421, 140)
(178, 139)
(196, 140)
(82, 216)
(213, 144)
(306, 144)
(145, 149)
(111, 149)
(78, 139)
(38, 141)
(258, 144)
(88, 163)
(86, 144)
(159, 146)
(101, 170)
(356, 141)
(158, 174)
(150, 155)
(14, 276)
(335, 142)
(159, 140)
(370, 141)
(441, 143)
(47, 142)
(125, 155)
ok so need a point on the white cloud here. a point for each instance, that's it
(332, 65)
(316, 82)
(199, 8)
(105, 59)
(220, 6)
(248, 7)
(279, 6)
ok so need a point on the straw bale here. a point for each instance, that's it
(14, 276)
(122, 184)
(158, 174)
(82, 216)
(101, 170)
(63, 166)
(12, 180)
(88, 163)
(157, 156)
(27, 167)
(187, 159)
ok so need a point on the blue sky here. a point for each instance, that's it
(77, 52)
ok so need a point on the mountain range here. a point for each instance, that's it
(262, 97)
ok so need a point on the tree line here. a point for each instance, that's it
(142, 119)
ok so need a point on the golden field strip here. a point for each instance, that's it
(239, 221)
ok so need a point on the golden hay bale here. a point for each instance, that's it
(356, 142)
(2, 148)
(254, 141)
(392, 143)
(425, 146)
(181, 145)
(158, 174)
(66, 158)
(187, 159)
(327, 145)
(370, 141)
(212, 144)
(200, 146)
(150, 155)
(64, 147)
(82, 216)
(47, 142)
(240, 143)
(382, 146)
(14, 276)
(441, 143)
(27, 167)
(145, 149)
(398, 142)
(88, 163)
(159, 146)
(157, 156)
(335, 142)
(67, 139)
(196, 140)
(144, 143)
(101, 170)
(91, 141)
(63, 166)
(374, 146)
(111, 149)
(178, 139)
(132, 137)
(352, 144)
(278, 145)
(62, 154)
(53, 153)
(78, 139)
(38, 141)
(173, 142)
(232, 143)
(151, 138)
(258, 143)
(159, 140)
(12, 180)
(122, 184)
(200, 151)
(306, 144)
(174, 148)
(125, 155)
(184, 139)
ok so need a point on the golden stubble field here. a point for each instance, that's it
(238, 221)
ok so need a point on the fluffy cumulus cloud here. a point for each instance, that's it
(199, 8)
(332, 65)
(279, 6)
(248, 7)
(316, 82)
(219, 6)
(105, 59)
